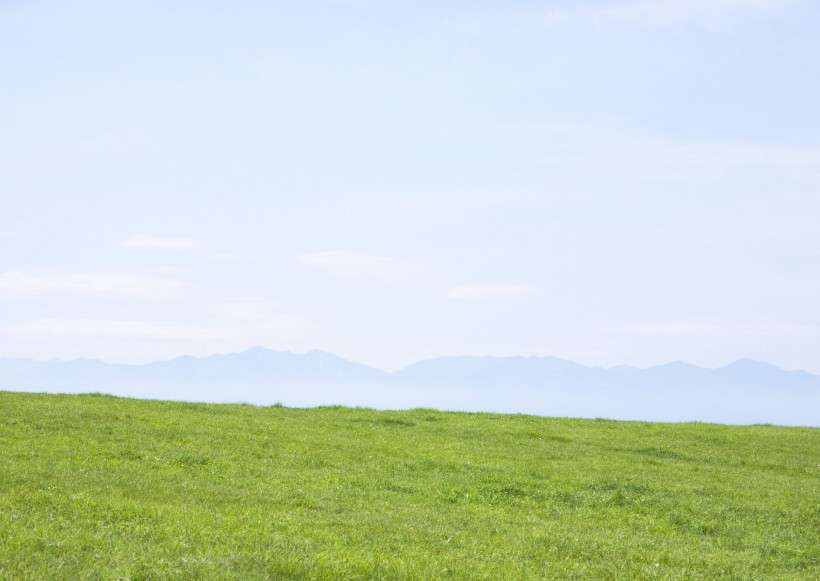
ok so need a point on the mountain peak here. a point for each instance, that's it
(747, 362)
(255, 350)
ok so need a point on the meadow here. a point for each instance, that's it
(97, 487)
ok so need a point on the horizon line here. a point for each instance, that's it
(321, 352)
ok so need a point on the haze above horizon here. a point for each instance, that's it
(608, 182)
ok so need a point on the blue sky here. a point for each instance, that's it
(622, 181)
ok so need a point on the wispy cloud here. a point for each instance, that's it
(110, 328)
(244, 309)
(16, 283)
(340, 264)
(721, 328)
(488, 291)
(160, 242)
(224, 257)
(663, 12)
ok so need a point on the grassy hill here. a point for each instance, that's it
(100, 487)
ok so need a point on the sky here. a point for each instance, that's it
(606, 181)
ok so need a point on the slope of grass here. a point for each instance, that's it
(100, 487)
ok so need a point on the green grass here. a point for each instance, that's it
(96, 487)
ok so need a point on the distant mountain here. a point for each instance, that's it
(501, 372)
(261, 367)
(745, 391)
(552, 372)
(245, 376)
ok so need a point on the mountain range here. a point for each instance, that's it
(745, 391)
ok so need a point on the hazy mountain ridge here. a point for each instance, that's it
(235, 374)
(745, 391)
(553, 372)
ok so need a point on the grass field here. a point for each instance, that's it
(103, 488)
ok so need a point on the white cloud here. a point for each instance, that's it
(160, 242)
(7, 234)
(352, 265)
(16, 283)
(224, 257)
(140, 341)
(259, 321)
(721, 328)
(488, 291)
(242, 308)
(665, 12)
(109, 328)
